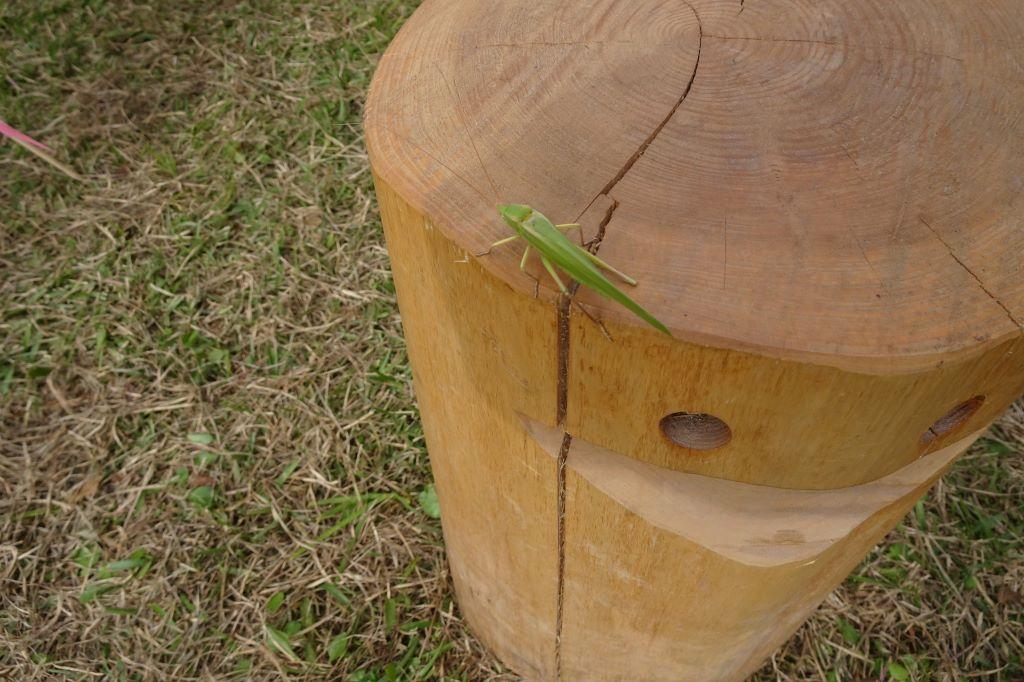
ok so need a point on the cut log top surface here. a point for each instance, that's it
(840, 181)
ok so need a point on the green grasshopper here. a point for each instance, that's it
(556, 249)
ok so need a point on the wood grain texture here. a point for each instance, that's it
(821, 199)
(832, 181)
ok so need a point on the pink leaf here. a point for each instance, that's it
(10, 132)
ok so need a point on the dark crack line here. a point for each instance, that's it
(661, 126)
(970, 272)
(563, 457)
(642, 149)
(565, 303)
(595, 243)
(562, 404)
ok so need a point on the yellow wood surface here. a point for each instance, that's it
(794, 424)
(479, 354)
(642, 603)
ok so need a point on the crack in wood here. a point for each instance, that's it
(642, 149)
(563, 457)
(562, 403)
(565, 308)
(971, 272)
(594, 244)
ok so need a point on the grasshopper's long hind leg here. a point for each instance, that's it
(554, 275)
(601, 264)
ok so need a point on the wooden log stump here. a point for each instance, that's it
(822, 200)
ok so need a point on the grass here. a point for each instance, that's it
(211, 465)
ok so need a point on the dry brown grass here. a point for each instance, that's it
(210, 460)
(941, 597)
